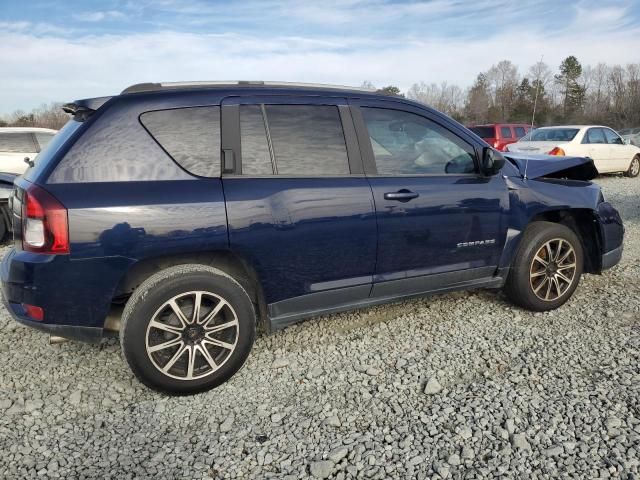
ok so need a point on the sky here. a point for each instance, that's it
(64, 50)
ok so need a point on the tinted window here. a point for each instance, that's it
(190, 135)
(256, 159)
(520, 132)
(612, 137)
(43, 138)
(484, 132)
(307, 140)
(552, 135)
(594, 135)
(17, 142)
(405, 144)
(505, 132)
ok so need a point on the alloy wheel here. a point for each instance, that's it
(635, 167)
(192, 335)
(553, 269)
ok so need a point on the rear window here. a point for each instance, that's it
(17, 142)
(43, 138)
(48, 152)
(552, 135)
(190, 135)
(484, 132)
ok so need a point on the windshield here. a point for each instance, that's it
(48, 152)
(550, 135)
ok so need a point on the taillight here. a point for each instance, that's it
(44, 222)
(558, 152)
(36, 313)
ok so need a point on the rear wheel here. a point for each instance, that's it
(187, 329)
(547, 267)
(634, 167)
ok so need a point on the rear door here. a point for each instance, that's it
(298, 204)
(440, 222)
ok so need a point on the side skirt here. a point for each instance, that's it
(288, 312)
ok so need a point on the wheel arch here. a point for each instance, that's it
(229, 262)
(584, 224)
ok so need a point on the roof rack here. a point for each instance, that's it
(155, 87)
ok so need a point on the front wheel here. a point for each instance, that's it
(547, 267)
(634, 167)
(187, 329)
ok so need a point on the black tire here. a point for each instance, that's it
(150, 302)
(525, 274)
(634, 167)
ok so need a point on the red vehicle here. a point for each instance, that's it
(499, 135)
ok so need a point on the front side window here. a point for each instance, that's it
(505, 132)
(612, 137)
(17, 142)
(520, 132)
(594, 135)
(407, 144)
(191, 136)
(307, 140)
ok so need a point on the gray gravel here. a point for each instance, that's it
(453, 386)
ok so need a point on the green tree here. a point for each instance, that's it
(573, 93)
(391, 90)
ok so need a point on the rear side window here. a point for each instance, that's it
(505, 132)
(256, 158)
(594, 135)
(520, 132)
(307, 140)
(484, 132)
(190, 135)
(17, 142)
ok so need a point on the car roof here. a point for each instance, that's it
(573, 126)
(26, 129)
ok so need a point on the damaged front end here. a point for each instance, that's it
(547, 166)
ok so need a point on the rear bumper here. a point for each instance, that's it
(75, 295)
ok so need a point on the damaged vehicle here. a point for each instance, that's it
(187, 216)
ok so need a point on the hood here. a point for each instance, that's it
(548, 166)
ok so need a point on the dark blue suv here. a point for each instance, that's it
(208, 210)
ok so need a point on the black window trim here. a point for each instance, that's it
(348, 130)
(368, 158)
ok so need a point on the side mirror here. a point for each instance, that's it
(492, 161)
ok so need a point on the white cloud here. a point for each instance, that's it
(98, 16)
(42, 67)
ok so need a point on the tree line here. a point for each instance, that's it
(573, 94)
(604, 94)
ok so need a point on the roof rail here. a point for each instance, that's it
(156, 87)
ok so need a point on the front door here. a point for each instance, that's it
(299, 207)
(599, 150)
(439, 221)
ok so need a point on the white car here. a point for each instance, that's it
(16, 143)
(609, 152)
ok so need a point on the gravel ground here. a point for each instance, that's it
(453, 386)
